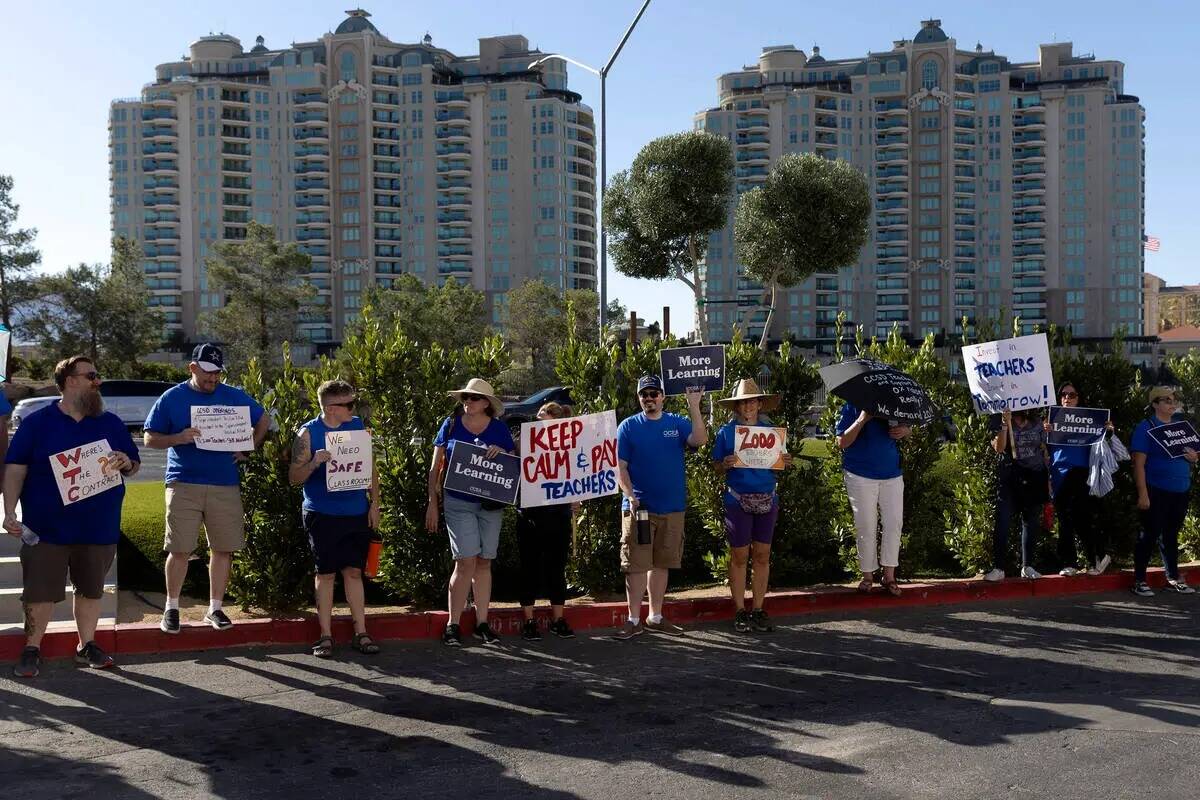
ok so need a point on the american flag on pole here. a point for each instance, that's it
(1151, 243)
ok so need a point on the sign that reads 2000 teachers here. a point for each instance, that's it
(1009, 374)
(685, 368)
(470, 471)
(350, 461)
(566, 460)
(84, 472)
(224, 428)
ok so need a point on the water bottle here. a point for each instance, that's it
(643, 526)
(29, 537)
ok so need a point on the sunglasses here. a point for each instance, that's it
(469, 398)
(348, 405)
(1163, 400)
(1069, 395)
(90, 376)
(649, 394)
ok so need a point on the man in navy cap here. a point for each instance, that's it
(203, 484)
(650, 450)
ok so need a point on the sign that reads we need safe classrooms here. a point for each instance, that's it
(470, 471)
(687, 368)
(1009, 374)
(568, 460)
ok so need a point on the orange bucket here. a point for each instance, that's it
(373, 550)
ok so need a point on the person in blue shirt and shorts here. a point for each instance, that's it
(751, 504)
(203, 486)
(70, 519)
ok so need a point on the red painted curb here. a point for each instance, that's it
(147, 638)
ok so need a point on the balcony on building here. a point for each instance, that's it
(235, 115)
(891, 107)
(455, 151)
(753, 141)
(1029, 154)
(891, 221)
(310, 134)
(895, 124)
(1028, 218)
(158, 132)
(964, 139)
(239, 96)
(235, 132)
(755, 123)
(312, 118)
(309, 98)
(313, 219)
(229, 165)
(450, 134)
(826, 121)
(236, 183)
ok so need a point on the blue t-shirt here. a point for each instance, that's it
(453, 430)
(874, 453)
(1063, 459)
(1162, 471)
(653, 450)
(45, 432)
(5, 406)
(742, 480)
(187, 463)
(316, 496)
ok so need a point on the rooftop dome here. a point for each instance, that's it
(259, 45)
(356, 22)
(816, 58)
(931, 31)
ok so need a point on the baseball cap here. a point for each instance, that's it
(649, 382)
(1159, 392)
(208, 357)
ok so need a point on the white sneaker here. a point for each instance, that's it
(1180, 586)
(995, 575)
(1068, 572)
(1101, 565)
(1030, 573)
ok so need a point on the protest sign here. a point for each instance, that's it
(1076, 427)
(1009, 374)
(5, 338)
(469, 471)
(757, 447)
(350, 461)
(567, 460)
(224, 428)
(83, 472)
(1175, 437)
(684, 368)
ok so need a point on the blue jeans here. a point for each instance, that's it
(1160, 523)
(1007, 503)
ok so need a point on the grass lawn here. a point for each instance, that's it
(140, 555)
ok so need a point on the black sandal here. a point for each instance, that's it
(892, 588)
(864, 586)
(323, 647)
(364, 644)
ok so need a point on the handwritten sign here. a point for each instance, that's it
(351, 461)
(684, 368)
(1076, 427)
(1176, 437)
(469, 471)
(1009, 374)
(224, 428)
(759, 447)
(567, 460)
(83, 472)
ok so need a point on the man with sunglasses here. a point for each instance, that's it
(203, 486)
(650, 451)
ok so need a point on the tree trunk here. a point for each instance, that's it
(766, 334)
(698, 292)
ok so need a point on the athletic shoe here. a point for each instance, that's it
(664, 626)
(452, 636)
(1069, 572)
(529, 631)
(170, 621)
(1101, 566)
(760, 621)
(561, 629)
(30, 663)
(741, 621)
(995, 575)
(1142, 589)
(218, 620)
(1180, 585)
(90, 655)
(485, 634)
(629, 630)
(1031, 573)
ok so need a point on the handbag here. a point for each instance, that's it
(754, 502)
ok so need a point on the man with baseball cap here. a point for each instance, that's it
(203, 485)
(650, 450)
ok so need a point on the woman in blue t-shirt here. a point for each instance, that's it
(474, 527)
(751, 505)
(1164, 486)
(875, 485)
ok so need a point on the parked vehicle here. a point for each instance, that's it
(526, 410)
(130, 400)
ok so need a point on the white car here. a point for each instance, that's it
(129, 400)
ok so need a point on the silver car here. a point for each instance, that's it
(130, 400)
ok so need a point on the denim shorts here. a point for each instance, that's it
(474, 530)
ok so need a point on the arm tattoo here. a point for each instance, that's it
(300, 448)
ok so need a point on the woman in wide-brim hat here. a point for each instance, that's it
(751, 504)
(473, 526)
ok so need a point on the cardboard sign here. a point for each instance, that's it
(351, 461)
(469, 471)
(224, 428)
(1076, 427)
(567, 460)
(758, 447)
(1009, 374)
(684, 368)
(84, 472)
(5, 339)
(1175, 437)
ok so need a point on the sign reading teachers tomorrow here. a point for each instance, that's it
(1009, 374)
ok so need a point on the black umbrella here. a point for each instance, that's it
(879, 389)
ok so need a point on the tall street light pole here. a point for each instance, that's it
(602, 73)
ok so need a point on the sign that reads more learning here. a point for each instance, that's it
(758, 447)
(84, 472)
(1176, 437)
(470, 471)
(1076, 427)
(568, 460)
(224, 428)
(685, 368)
(350, 461)
(1009, 374)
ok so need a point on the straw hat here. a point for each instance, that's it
(747, 389)
(1160, 392)
(481, 387)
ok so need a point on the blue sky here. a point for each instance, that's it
(63, 62)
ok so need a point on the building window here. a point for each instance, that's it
(349, 69)
(929, 74)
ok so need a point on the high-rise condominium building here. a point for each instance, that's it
(998, 186)
(378, 158)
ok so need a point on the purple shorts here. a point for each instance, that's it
(742, 528)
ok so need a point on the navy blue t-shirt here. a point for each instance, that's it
(453, 430)
(874, 453)
(5, 406)
(187, 463)
(742, 480)
(316, 496)
(45, 432)
(653, 450)
(1162, 471)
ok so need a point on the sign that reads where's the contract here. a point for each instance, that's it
(224, 428)
(1076, 427)
(758, 447)
(684, 368)
(1176, 437)
(84, 472)
(568, 460)
(470, 471)
(350, 461)
(1009, 374)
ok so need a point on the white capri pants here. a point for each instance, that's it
(872, 500)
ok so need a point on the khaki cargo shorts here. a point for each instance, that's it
(665, 550)
(217, 508)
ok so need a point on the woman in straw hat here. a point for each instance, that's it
(474, 526)
(751, 505)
